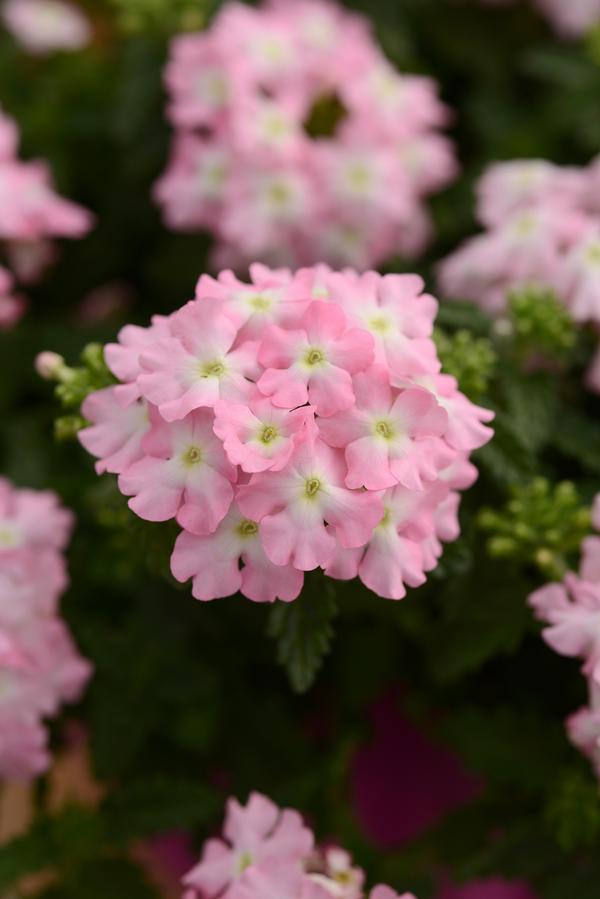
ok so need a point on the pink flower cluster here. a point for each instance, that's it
(296, 422)
(45, 26)
(542, 229)
(571, 610)
(570, 18)
(31, 212)
(40, 667)
(269, 853)
(245, 167)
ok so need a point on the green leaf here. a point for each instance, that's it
(531, 407)
(303, 630)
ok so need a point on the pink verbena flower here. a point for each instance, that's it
(259, 436)
(44, 26)
(183, 474)
(398, 315)
(390, 437)
(272, 297)
(583, 729)
(249, 98)
(542, 227)
(385, 892)
(269, 854)
(394, 557)
(197, 365)
(256, 833)
(256, 417)
(213, 563)
(334, 872)
(571, 19)
(572, 612)
(40, 667)
(578, 278)
(315, 362)
(293, 506)
(116, 433)
(32, 518)
(31, 213)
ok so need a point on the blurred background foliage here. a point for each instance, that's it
(192, 702)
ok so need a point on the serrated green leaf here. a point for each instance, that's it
(303, 630)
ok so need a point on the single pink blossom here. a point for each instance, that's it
(184, 474)
(116, 431)
(315, 362)
(390, 437)
(197, 365)
(294, 505)
(259, 436)
(44, 26)
(213, 563)
(255, 833)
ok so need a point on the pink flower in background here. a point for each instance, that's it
(571, 611)
(256, 416)
(32, 214)
(295, 139)
(542, 232)
(40, 667)
(571, 19)
(44, 26)
(268, 853)
(583, 729)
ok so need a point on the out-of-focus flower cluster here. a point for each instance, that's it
(570, 18)
(298, 142)
(542, 234)
(571, 609)
(40, 667)
(296, 422)
(45, 26)
(31, 214)
(270, 853)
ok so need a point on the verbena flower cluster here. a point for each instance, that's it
(296, 422)
(570, 18)
(571, 610)
(45, 26)
(270, 853)
(297, 141)
(40, 667)
(542, 231)
(31, 212)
